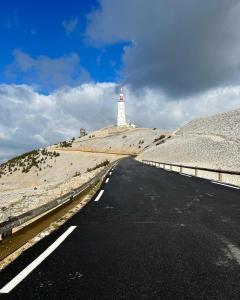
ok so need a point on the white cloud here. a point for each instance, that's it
(30, 120)
(70, 25)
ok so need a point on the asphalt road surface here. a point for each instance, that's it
(152, 234)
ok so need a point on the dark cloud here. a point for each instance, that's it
(183, 47)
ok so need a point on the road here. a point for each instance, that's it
(152, 234)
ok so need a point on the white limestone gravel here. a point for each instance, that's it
(212, 142)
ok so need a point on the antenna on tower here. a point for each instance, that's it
(121, 96)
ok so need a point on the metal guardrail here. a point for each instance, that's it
(195, 168)
(6, 227)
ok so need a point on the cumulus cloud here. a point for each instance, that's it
(48, 73)
(70, 25)
(184, 47)
(29, 119)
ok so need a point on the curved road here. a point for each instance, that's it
(151, 234)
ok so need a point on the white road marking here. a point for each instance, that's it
(186, 175)
(107, 180)
(99, 195)
(234, 251)
(211, 195)
(231, 186)
(110, 173)
(25, 272)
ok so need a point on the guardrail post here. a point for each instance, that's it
(219, 175)
(170, 167)
(180, 169)
(196, 171)
(7, 233)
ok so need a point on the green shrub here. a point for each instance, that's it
(102, 164)
(66, 144)
(159, 138)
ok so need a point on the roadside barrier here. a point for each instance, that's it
(7, 227)
(224, 176)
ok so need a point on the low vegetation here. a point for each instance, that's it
(102, 164)
(26, 161)
(77, 174)
(161, 140)
(162, 136)
(67, 143)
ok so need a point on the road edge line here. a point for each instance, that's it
(37, 261)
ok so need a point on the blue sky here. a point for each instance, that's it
(41, 28)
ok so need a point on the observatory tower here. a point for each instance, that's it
(121, 118)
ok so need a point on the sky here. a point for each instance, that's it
(62, 62)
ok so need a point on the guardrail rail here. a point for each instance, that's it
(220, 173)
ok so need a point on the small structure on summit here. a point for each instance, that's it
(121, 117)
(82, 132)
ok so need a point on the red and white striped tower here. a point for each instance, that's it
(121, 117)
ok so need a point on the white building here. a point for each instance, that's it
(121, 117)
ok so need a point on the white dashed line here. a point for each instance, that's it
(231, 186)
(110, 173)
(107, 180)
(186, 175)
(99, 195)
(25, 272)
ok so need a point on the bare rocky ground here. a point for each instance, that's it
(212, 142)
(123, 140)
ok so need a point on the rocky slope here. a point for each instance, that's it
(116, 140)
(212, 142)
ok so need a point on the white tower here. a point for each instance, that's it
(121, 118)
